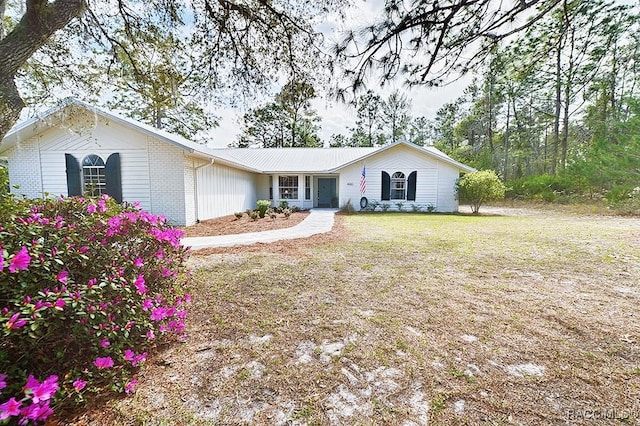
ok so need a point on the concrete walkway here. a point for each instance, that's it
(319, 221)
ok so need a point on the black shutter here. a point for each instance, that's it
(74, 184)
(386, 186)
(411, 186)
(113, 185)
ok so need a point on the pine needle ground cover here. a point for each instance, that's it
(409, 319)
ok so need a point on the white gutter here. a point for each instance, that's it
(195, 185)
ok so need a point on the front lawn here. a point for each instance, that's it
(409, 319)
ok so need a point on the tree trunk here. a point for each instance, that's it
(10, 104)
(505, 174)
(565, 127)
(558, 106)
(41, 19)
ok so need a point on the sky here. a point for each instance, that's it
(338, 117)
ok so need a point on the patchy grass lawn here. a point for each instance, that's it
(410, 319)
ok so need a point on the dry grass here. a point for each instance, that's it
(408, 319)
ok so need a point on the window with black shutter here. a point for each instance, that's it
(411, 186)
(386, 186)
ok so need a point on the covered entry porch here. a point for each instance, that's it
(305, 191)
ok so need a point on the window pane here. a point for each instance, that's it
(93, 175)
(398, 185)
(288, 187)
(307, 187)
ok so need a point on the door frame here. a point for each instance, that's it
(333, 202)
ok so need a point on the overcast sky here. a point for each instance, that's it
(337, 117)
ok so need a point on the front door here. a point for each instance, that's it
(327, 192)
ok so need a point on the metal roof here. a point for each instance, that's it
(302, 160)
(258, 160)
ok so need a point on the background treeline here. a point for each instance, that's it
(555, 111)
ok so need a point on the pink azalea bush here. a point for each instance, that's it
(87, 288)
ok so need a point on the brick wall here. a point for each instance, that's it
(167, 181)
(24, 169)
(189, 190)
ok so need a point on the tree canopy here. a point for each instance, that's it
(230, 45)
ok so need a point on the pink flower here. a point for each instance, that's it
(140, 284)
(20, 260)
(139, 359)
(91, 208)
(14, 322)
(150, 335)
(147, 304)
(37, 412)
(79, 385)
(102, 205)
(10, 408)
(3, 381)
(114, 222)
(130, 386)
(41, 391)
(59, 304)
(129, 355)
(62, 276)
(158, 314)
(103, 363)
(105, 343)
(138, 263)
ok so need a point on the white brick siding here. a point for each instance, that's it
(189, 190)
(167, 180)
(24, 169)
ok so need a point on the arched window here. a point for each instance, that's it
(398, 186)
(93, 175)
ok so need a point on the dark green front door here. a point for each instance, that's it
(327, 192)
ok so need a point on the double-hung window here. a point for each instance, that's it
(93, 176)
(288, 187)
(398, 186)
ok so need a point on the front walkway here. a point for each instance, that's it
(319, 221)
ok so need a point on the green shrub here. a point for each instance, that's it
(283, 205)
(4, 180)
(287, 213)
(416, 208)
(624, 200)
(238, 215)
(385, 206)
(262, 207)
(87, 287)
(476, 188)
(399, 206)
(544, 187)
(348, 208)
(374, 205)
(254, 215)
(272, 214)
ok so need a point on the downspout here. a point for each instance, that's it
(195, 185)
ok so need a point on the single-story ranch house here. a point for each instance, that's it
(78, 149)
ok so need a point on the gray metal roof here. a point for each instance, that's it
(258, 160)
(302, 160)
